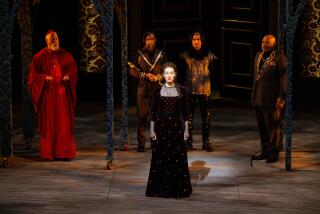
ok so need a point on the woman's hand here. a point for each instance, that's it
(153, 135)
(66, 78)
(49, 79)
(186, 133)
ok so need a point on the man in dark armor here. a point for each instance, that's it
(147, 69)
(195, 76)
(268, 97)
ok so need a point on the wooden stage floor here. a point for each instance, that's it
(223, 180)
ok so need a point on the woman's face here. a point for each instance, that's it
(169, 74)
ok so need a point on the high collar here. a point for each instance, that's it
(53, 51)
(169, 86)
(198, 54)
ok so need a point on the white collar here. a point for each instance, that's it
(169, 86)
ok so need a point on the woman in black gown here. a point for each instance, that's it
(169, 173)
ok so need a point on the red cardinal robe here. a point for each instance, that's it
(54, 101)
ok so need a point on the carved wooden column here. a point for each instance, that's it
(24, 20)
(310, 40)
(292, 18)
(121, 11)
(7, 17)
(105, 9)
(92, 40)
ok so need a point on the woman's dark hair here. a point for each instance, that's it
(171, 65)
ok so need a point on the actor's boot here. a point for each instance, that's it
(264, 153)
(207, 146)
(260, 156)
(141, 145)
(141, 148)
(274, 156)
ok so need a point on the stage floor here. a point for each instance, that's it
(223, 180)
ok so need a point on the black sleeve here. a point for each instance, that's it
(155, 110)
(184, 104)
(181, 70)
(133, 72)
(254, 74)
(282, 68)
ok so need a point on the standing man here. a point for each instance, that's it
(147, 69)
(268, 97)
(197, 67)
(52, 82)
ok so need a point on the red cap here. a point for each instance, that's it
(50, 31)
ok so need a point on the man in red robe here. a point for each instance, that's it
(52, 82)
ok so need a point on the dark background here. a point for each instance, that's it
(233, 32)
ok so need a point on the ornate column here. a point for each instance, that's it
(281, 47)
(310, 40)
(121, 11)
(105, 9)
(92, 40)
(292, 18)
(24, 20)
(6, 28)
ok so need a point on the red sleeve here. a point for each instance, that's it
(36, 83)
(71, 69)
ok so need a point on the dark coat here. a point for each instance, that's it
(270, 83)
(146, 87)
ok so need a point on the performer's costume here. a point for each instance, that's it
(269, 84)
(169, 174)
(196, 73)
(54, 102)
(146, 62)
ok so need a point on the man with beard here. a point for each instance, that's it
(147, 69)
(195, 76)
(52, 82)
(268, 97)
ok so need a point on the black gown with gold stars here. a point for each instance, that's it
(169, 173)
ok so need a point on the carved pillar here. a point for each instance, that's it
(292, 18)
(92, 39)
(24, 20)
(121, 11)
(310, 40)
(6, 28)
(105, 9)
